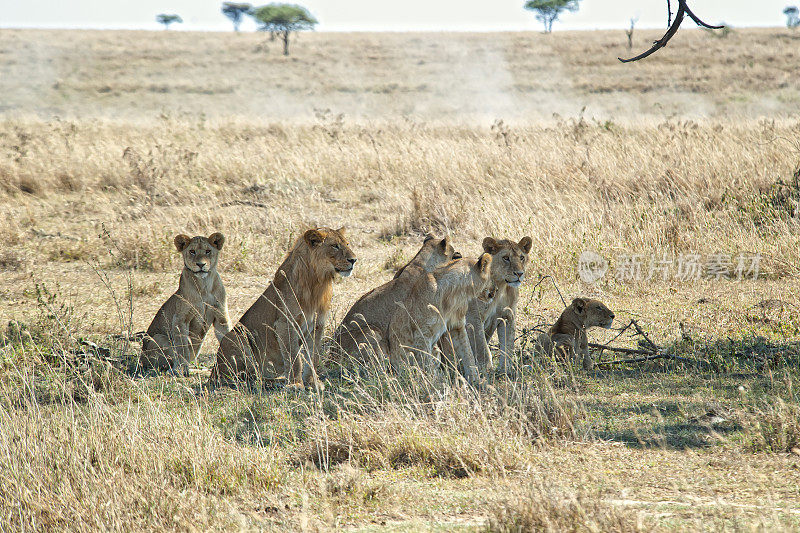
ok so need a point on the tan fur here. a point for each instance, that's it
(362, 333)
(484, 318)
(567, 337)
(281, 332)
(180, 325)
(437, 303)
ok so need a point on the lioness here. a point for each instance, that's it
(437, 303)
(283, 328)
(568, 335)
(180, 325)
(367, 321)
(509, 260)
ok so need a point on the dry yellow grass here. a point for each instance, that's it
(90, 202)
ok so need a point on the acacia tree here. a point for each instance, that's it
(283, 19)
(547, 11)
(166, 20)
(792, 17)
(235, 11)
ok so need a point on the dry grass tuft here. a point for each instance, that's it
(102, 468)
(396, 260)
(388, 424)
(547, 509)
(775, 427)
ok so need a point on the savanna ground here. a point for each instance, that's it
(111, 143)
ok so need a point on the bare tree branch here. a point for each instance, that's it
(683, 10)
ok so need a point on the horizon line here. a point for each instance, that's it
(334, 30)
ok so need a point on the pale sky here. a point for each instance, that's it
(385, 15)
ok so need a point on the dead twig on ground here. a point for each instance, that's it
(647, 348)
(648, 356)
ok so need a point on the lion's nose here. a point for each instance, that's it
(352, 260)
(520, 273)
(612, 316)
(201, 265)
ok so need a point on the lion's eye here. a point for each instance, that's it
(208, 252)
(507, 259)
(191, 252)
(522, 258)
(336, 247)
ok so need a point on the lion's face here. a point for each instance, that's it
(200, 253)
(332, 250)
(444, 252)
(509, 259)
(593, 312)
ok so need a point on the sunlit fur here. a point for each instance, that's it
(567, 337)
(362, 332)
(437, 303)
(281, 332)
(484, 318)
(180, 325)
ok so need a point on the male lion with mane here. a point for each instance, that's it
(180, 325)
(281, 332)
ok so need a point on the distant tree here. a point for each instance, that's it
(283, 19)
(235, 11)
(792, 17)
(166, 20)
(629, 32)
(547, 11)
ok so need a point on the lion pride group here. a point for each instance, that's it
(441, 308)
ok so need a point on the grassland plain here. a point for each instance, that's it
(453, 77)
(91, 200)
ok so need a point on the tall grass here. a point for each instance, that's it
(670, 187)
(89, 446)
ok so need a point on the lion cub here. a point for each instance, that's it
(568, 335)
(437, 303)
(179, 327)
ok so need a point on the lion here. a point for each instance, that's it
(567, 337)
(180, 325)
(438, 303)
(363, 329)
(281, 332)
(509, 260)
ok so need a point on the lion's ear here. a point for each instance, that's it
(525, 243)
(443, 244)
(217, 240)
(484, 263)
(428, 237)
(182, 241)
(490, 245)
(313, 237)
(342, 231)
(579, 304)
